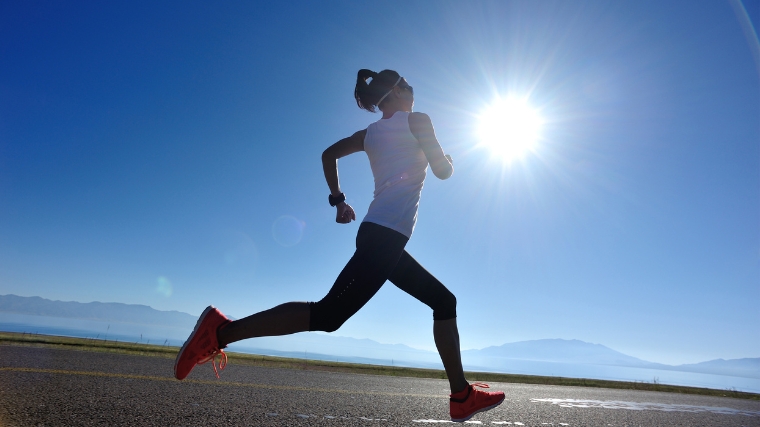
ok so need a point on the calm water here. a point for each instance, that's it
(81, 328)
(621, 373)
(132, 332)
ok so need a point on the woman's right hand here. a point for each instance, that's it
(345, 213)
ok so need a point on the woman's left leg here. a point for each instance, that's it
(412, 278)
(465, 400)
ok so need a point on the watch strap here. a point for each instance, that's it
(337, 199)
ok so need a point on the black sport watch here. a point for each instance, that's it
(335, 200)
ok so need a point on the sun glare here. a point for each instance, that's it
(509, 128)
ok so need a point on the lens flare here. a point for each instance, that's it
(164, 286)
(288, 230)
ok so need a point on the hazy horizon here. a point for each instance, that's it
(189, 321)
(526, 357)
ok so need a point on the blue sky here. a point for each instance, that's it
(169, 154)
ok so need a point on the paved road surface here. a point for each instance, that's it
(40, 386)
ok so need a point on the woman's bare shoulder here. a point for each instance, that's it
(419, 117)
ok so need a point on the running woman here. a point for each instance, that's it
(399, 146)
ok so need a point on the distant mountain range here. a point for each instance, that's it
(105, 311)
(542, 357)
(748, 367)
(564, 351)
(583, 353)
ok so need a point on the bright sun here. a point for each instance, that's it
(509, 128)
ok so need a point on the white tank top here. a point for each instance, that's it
(399, 166)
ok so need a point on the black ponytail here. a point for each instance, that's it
(368, 94)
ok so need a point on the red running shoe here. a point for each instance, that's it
(202, 346)
(468, 402)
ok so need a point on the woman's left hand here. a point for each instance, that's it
(345, 213)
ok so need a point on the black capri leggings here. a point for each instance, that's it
(379, 256)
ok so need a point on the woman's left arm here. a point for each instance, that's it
(422, 128)
(342, 148)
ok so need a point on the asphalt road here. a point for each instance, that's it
(49, 387)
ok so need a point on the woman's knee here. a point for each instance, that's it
(324, 320)
(446, 306)
(327, 325)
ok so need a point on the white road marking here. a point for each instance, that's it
(644, 406)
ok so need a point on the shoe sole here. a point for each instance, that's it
(461, 420)
(190, 338)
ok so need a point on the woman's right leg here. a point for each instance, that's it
(285, 319)
(377, 252)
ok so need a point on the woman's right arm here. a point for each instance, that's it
(330, 156)
(422, 128)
